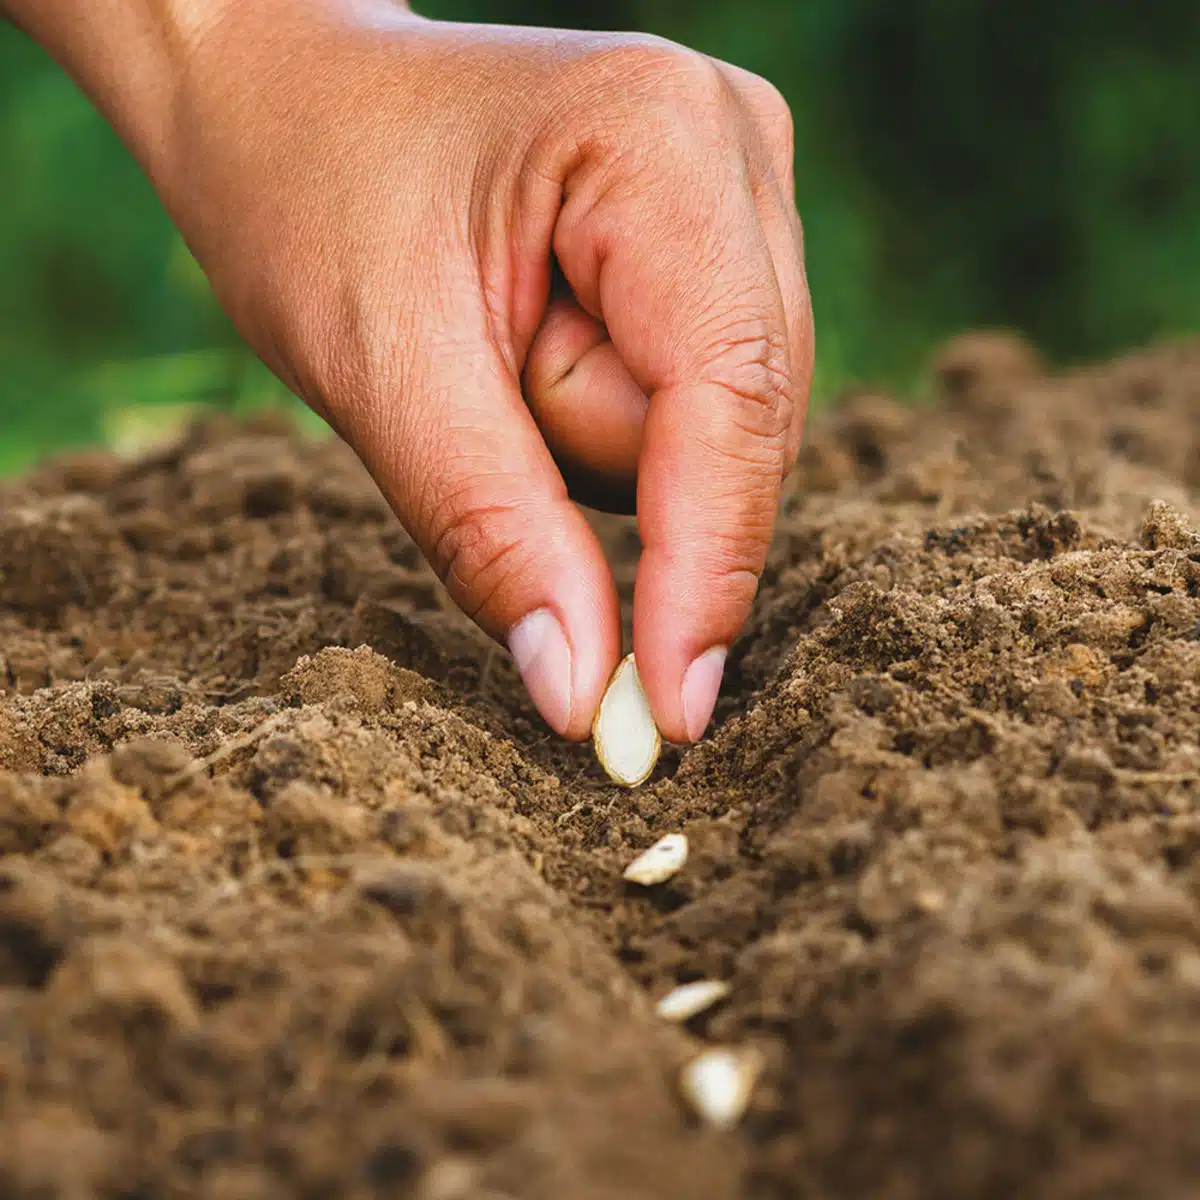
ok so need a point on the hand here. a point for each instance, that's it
(382, 204)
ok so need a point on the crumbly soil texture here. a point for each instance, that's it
(299, 898)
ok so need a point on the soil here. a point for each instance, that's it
(298, 897)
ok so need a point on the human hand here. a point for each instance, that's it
(380, 202)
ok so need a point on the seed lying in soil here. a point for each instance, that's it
(626, 738)
(656, 865)
(718, 1084)
(691, 999)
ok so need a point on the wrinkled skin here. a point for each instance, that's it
(513, 269)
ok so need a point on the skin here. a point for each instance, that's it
(513, 269)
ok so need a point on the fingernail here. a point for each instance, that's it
(701, 683)
(543, 656)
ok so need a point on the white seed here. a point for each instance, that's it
(690, 999)
(626, 738)
(450, 1179)
(718, 1084)
(656, 865)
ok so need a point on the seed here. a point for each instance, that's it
(656, 865)
(691, 999)
(626, 738)
(718, 1084)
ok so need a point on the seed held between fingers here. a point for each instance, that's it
(626, 738)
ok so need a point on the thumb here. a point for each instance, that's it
(466, 470)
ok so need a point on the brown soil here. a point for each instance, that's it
(298, 898)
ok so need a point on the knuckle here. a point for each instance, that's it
(750, 362)
(772, 114)
(779, 128)
(657, 62)
(473, 551)
(767, 109)
(734, 576)
(698, 78)
(775, 110)
(664, 80)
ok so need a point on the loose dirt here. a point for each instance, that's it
(298, 897)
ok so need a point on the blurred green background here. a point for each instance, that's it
(959, 163)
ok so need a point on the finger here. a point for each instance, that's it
(685, 284)
(464, 466)
(769, 126)
(768, 131)
(587, 406)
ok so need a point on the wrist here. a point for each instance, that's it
(127, 56)
(135, 58)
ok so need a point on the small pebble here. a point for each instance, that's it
(690, 999)
(658, 864)
(718, 1085)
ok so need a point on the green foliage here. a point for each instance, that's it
(959, 162)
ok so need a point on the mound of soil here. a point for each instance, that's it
(297, 896)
